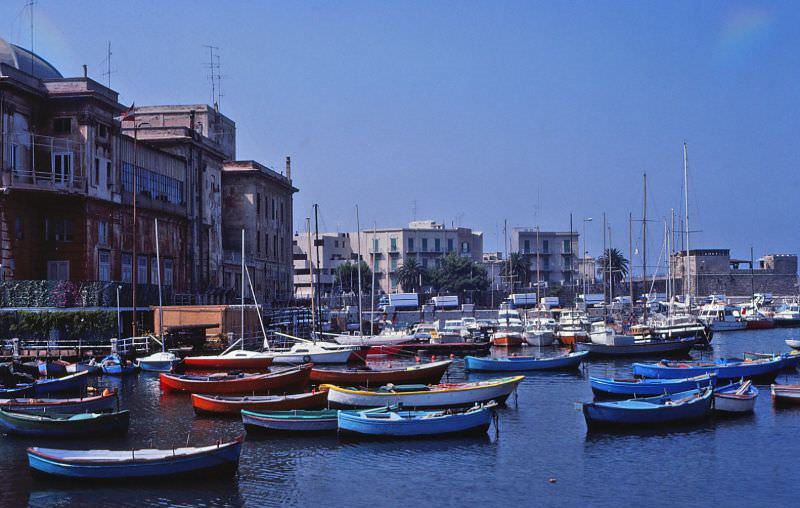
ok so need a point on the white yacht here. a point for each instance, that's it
(721, 317)
(540, 329)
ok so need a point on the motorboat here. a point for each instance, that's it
(540, 329)
(509, 329)
(721, 318)
(788, 315)
(573, 327)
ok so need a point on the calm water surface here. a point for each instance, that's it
(747, 461)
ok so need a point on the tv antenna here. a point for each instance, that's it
(214, 75)
(30, 5)
(108, 72)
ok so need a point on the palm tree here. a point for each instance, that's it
(518, 268)
(618, 264)
(410, 275)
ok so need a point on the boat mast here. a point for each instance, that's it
(538, 279)
(688, 286)
(317, 269)
(160, 302)
(242, 309)
(610, 270)
(606, 261)
(311, 274)
(372, 290)
(669, 272)
(644, 247)
(360, 321)
(630, 256)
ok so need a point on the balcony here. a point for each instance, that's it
(34, 162)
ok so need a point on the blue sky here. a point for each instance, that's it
(477, 111)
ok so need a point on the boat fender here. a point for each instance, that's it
(416, 359)
(433, 358)
(106, 393)
(306, 359)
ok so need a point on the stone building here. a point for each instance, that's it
(556, 253)
(258, 200)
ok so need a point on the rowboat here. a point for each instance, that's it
(425, 373)
(521, 363)
(240, 383)
(387, 422)
(785, 394)
(104, 401)
(72, 382)
(55, 425)
(239, 359)
(790, 359)
(639, 347)
(793, 343)
(162, 361)
(732, 368)
(219, 404)
(677, 407)
(737, 397)
(21, 390)
(611, 387)
(145, 463)
(290, 421)
(422, 396)
(114, 365)
(454, 348)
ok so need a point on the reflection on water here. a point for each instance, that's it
(543, 455)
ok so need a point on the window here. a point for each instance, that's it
(154, 271)
(437, 244)
(376, 245)
(546, 263)
(258, 203)
(527, 248)
(153, 184)
(393, 264)
(424, 245)
(567, 247)
(104, 266)
(12, 156)
(141, 269)
(61, 166)
(282, 215)
(102, 233)
(127, 268)
(102, 131)
(58, 270)
(58, 230)
(393, 244)
(258, 242)
(465, 247)
(545, 246)
(266, 245)
(96, 171)
(19, 229)
(393, 281)
(108, 174)
(424, 262)
(62, 125)
(410, 245)
(449, 245)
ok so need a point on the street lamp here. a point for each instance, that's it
(583, 267)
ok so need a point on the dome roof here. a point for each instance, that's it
(25, 61)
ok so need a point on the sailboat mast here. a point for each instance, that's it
(644, 246)
(630, 256)
(360, 321)
(319, 260)
(372, 290)
(606, 261)
(688, 287)
(311, 275)
(242, 309)
(538, 279)
(160, 302)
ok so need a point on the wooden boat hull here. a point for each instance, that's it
(639, 412)
(726, 400)
(207, 459)
(540, 339)
(785, 394)
(62, 406)
(70, 383)
(426, 373)
(517, 364)
(21, 390)
(641, 348)
(283, 422)
(500, 339)
(209, 404)
(760, 324)
(570, 338)
(256, 383)
(79, 425)
(461, 395)
(413, 423)
(627, 388)
(761, 370)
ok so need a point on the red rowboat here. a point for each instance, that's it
(236, 359)
(240, 383)
(233, 405)
(429, 373)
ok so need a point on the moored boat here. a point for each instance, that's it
(68, 383)
(107, 400)
(59, 425)
(423, 373)
(238, 383)
(793, 343)
(644, 347)
(128, 464)
(632, 387)
(572, 327)
(523, 363)
(239, 359)
(422, 396)
(318, 353)
(161, 361)
(737, 397)
(785, 394)
(114, 365)
(732, 368)
(390, 422)
(671, 408)
(220, 404)
(276, 422)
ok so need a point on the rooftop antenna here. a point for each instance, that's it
(414, 210)
(31, 4)
(108, 71)
(213, 72)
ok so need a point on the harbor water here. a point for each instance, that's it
(541, 455)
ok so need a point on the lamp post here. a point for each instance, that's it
(583, 266)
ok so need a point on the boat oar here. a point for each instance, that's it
(743, 389)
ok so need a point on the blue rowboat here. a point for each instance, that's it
(739, 397)
(129, 464)
(162, 361)
(732, 368)
(520, 363)
(387, 422)
(55, 425)
(290, 421)
(105, 401)
(71, 383)
(677, 407)
(113, 365)
(790, 359)
(647, 387)
(21, 390)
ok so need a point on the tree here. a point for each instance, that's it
(517, 269)
(618, 264)
(456, 274)
(346, 277)
(411, 275)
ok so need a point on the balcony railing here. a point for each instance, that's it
(39, 162)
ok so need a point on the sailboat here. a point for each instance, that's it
(161, 361)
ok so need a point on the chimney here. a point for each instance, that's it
(288, 167)
(85, 71)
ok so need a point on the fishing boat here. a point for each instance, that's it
(522, 363)
(676, 324)
(129, 464)
(114, 365)
(670, 408)
(220, 404)
(632, 387)
(721, 318)
(422, 396)
(238, 359)
(277, 422)
(790, 360)
(60, 425)
(540, 331)
(161, 361)
(69, 383)
(785, 394)
(737, 397)
(368, 376)
(387, 422)
(572, 327)
(107, 400)
(730, 368)
(509, 329)
(237, 383)
(20, 390)
(788, 315)
(642, 347)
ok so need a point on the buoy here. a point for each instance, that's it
(551, 480)
(452, 356)
(433, 358)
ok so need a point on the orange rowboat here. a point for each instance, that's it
(218, 404)
(428, 373)
(231, 384)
